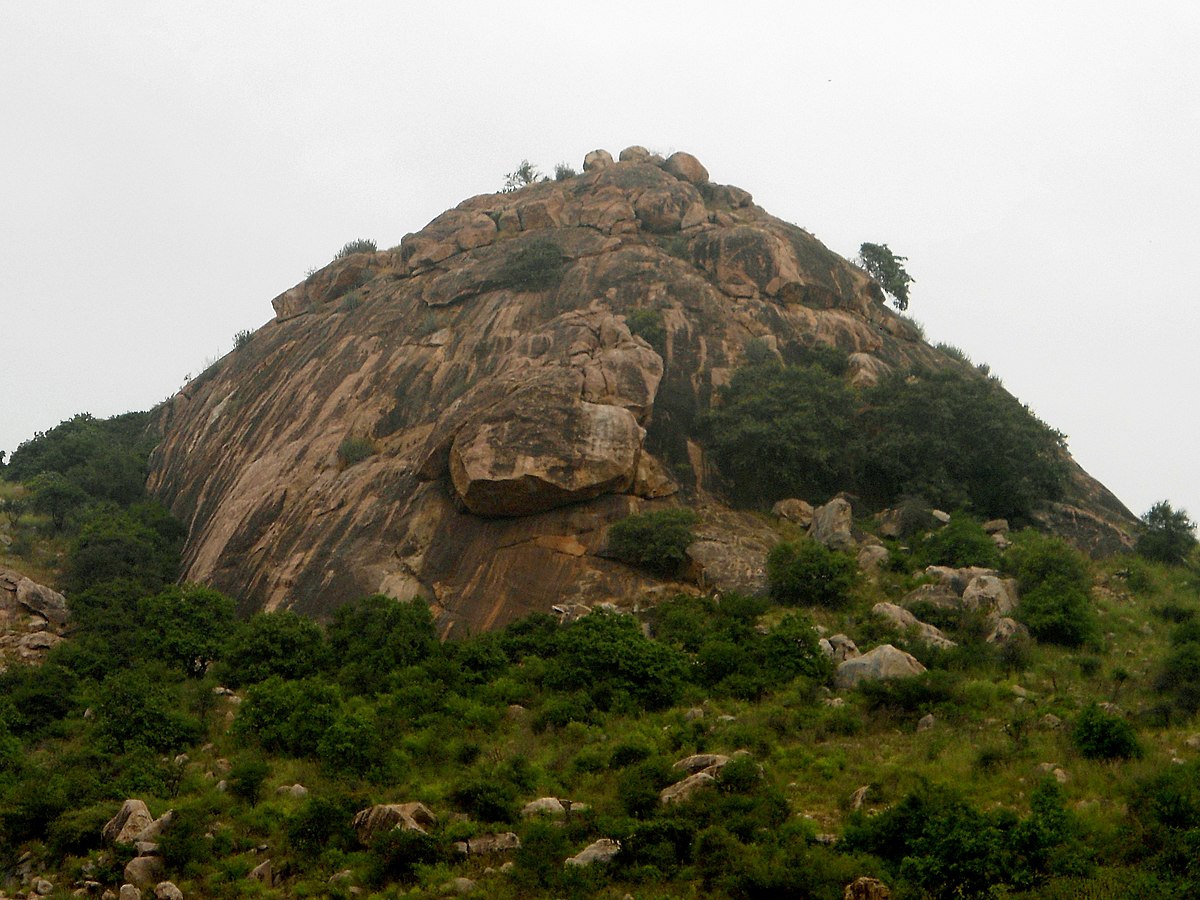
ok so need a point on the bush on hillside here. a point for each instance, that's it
(375, 636)
(1101, 735)
(961, 542)
(279, 643)
(809, 574)
(1169, 536)
(656, 541)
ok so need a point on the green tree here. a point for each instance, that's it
(783, 431)
(810, 574)
(607, 654)
(958, 440)
(377, 635)
(274, 643)
(1169, 536)
(185, 626)
(886, 267)
(56, 496)
(1101, 735)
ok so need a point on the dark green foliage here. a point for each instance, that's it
(488, 799)
(355, 449)
(638, 786)
(921, 694)
(361, 245)
(539, 859)
(352, 743)
(792, 648)
(78, 831)
(958, 440)
(607, 655)
(396, 854)
(375, 636)
(939, 843)
(106, 458)
(562, 172)
(1169, 536)
(783, 431)
(274, 643)
(656, 541)
(961, 542)
(1179, 676)
(36, 697)
(648, 325)
(1059, 613)
(321, 823)
(242, 338)
(538, 266)
(1036, 559)
(186, 843)
(56, 496)
(137, 710)
(246, 779)
(1101, 735)
(141, 543)
(808, 573)
(885, 267)
(1165, 827)
(185, 626)
(288, 716)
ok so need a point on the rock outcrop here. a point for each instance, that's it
(513, 378)
(33, 618)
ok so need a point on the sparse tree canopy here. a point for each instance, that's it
(525, 174)
(885, 267)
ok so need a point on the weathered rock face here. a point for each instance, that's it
(33, 618)
(512, 412)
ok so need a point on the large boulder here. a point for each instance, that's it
(686, 167)
(880, 664)
(601, 851)
(145, 871)
(391, 817)
(832, 523)
(905, 621)
(127, 826)
(682, 791)
(991, 595)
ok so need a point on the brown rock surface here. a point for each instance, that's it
(512, 420)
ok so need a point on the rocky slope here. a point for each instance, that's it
(462, 417)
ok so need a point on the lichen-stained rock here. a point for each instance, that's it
(513, 413)
(130, 821)
(905, 621)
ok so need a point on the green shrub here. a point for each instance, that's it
(656, 541)
(288, 716)
(321, 823)
(562, 172)
(246, 779)
(1059, 613)
(1101, 735)
(361, 245)
(648, 325)
(962, 542)
(538, 266)
(376, 636)
(885, 267)
(395, 855)
(809, 573)
(1035, 559)
(354, 449)
(242, 338)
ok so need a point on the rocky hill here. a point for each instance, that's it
(463, 416)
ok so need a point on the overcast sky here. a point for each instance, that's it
(167, 168)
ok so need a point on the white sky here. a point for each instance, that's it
(168, 168)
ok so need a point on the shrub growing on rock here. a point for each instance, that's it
(360, 245)
(538, 266)
(656, 541)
